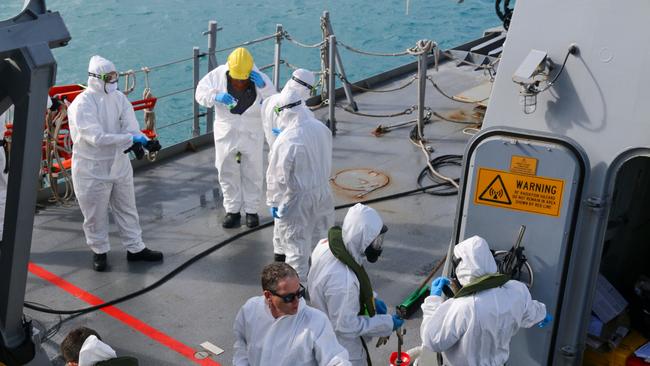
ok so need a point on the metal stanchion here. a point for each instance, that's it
(331, 84)
(196, 130)
(276, 60)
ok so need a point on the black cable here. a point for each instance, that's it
(506, 14)
(177, 270)
(440, 161)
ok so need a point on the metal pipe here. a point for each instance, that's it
(331, 85)
(276, 61)
(339, 65)
(422, 84)
(212, 63)
(196, 130)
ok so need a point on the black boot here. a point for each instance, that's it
(252, 220)
(279, 257)
(231, 220)
(145, 255)
(100, 261)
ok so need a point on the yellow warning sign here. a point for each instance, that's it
(523, 165)
(519, 192)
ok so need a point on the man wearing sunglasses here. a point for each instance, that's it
(339, 285)
(103, 126)
(278, 328)
(476, 325)
(297, 182)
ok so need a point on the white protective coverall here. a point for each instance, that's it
(241, 183)
(475, 330)
(102, 125)
(334, 288)
(269, 117)
(93, 350)
(297, 181)
(305, 338)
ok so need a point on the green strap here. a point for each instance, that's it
(483, 283)
(366, 298)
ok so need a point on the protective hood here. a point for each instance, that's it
(305, 76)
(476, 260)
(100, 65)
(361, 226)
(93, 350)
(290, 116)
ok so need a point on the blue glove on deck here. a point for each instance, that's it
(276, 131)
(224, 98)
(397, 321)
(140, 139)
(547, 319)
(380, 307)
(257, 79)
(438, 284)
(274, 212)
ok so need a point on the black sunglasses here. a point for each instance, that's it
(288, 298)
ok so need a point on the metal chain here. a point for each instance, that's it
(248, 43)
(289, 38)
(408, 110)
(369, 53)
(174, 93)
(181, 121)
(345, 80)
(453, 97)
(454, 121)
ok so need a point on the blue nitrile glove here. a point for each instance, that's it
(438, 284)
(380, 307)
(276, 131)
(140, 138)
(257, 79)
(547, 319)
(397, 321)
(274, 212)
(224, 98)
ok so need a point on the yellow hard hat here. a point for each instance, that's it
(240, 63)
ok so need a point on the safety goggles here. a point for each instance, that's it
(288, 298)
(378, 243)
(302, 83)
(109, 78)
(279, 109)
(454, 263)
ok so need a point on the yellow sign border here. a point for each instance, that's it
(512, 198)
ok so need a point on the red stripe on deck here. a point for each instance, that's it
(120, 315)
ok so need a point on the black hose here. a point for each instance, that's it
(440, 161)
(177, 270)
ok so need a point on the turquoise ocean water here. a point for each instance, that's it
(134, 34)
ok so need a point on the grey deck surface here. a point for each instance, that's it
(180, 212)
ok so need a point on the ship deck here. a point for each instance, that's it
(179, 203)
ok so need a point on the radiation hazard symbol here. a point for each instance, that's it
(533, 194)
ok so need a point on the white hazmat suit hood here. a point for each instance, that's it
(362, 225)
(476, 260)
(99, 65)
(93, 350)
(291, 115)
(475, 330)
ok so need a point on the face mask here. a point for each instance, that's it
(373, 251)
(109, 88)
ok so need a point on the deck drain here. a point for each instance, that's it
(200, 355)
(360, 181)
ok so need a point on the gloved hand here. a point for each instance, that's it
(547, 319)
(438, 284)
(140, 139)
(274, 212)
(397, 321)
(137, 150)
(225, 98)
(380, 306)
(276, 131)
(257, 79)
(153, 146)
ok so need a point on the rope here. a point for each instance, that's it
(369, 53)
(288, 37)
(408, 110)
(247, 43)
(453, 97)
(181, 121)
(422, 46)
(434, 171)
